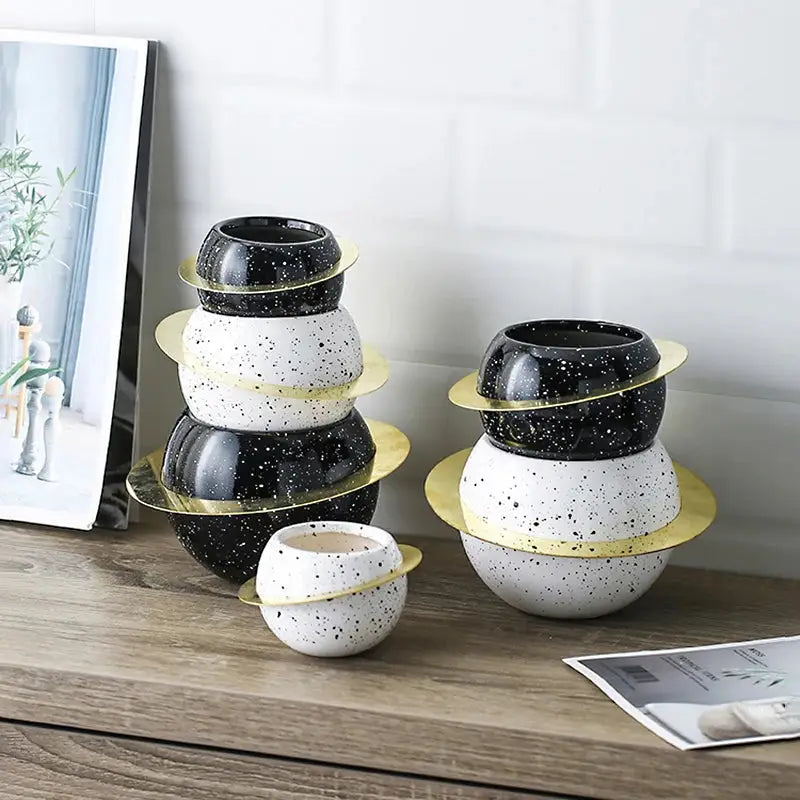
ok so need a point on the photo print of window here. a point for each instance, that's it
(75, 123)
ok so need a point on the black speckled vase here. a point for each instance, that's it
(220, 464)
(556, 359)
(265, 251)
(230, 545)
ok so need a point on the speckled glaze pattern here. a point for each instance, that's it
(239, 409)
(343, 626)
(566, 588)
(262, 251)
(610, 427)
(320, 350)
(220, 464)
(551, 359)
(286, 572)
(571, 500)
(317, 298)
(230, 546)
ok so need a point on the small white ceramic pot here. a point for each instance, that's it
(557, 586)
(614, 498)
(315, 351)
(318, 558)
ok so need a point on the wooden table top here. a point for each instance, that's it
(124, 633)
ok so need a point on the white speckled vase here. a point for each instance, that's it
(309, 559)
(314, 351)
(602, 500)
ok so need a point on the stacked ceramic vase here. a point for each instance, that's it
(270, 365)
(569, 505)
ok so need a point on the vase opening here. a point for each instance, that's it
(577, 334)
(332, 542)
(272, 230)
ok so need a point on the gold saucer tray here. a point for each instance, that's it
(188, 274)
(169, 336)
(412, 556)
(144, 481)
(464, 393)
(698, 509)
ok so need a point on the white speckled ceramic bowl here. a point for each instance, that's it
(603, 500)
(557, 586)
(312, 559)
(314, 351)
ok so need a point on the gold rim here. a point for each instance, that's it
(169, 336)
(464, 394)
(412, 556)
(698, 509)
(144, 481)
(188, 274)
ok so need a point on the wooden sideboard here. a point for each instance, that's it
(126, 671)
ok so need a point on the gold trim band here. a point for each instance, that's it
(464, 393)
(412, 556)
(169, 336)
(188, 274)
(144, 481)
(698, 509)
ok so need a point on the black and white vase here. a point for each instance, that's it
(559, 360)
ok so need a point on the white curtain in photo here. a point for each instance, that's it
(95, 374)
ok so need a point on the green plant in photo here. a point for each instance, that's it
(26, 208)
(26, 376)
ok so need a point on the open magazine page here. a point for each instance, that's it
(706, 696)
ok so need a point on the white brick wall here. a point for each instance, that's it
(624, 159)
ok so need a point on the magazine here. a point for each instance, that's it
(710, 696)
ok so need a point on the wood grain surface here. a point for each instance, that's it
(124, 633)
(43, 764)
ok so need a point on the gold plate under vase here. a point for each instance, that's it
(698, 510)
(464, 393)
(169, 336)
(188, 274)
(412, 556)
(144, 481)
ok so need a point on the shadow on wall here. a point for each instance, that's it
(159, 395)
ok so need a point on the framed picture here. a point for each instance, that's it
(75, 129)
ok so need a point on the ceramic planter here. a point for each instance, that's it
(230, 545)
(557, 586)
(560, 359)
(331, 557)
(602, 500)
(220, 464)
(316, 351)
(569, 501)
(267, 251)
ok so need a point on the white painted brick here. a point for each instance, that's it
(745, 449)
(269, 39)
(522, 48)
(441, 301)
(72, 16)
(765, 194)
(728, 57)
(739, 321)
(636, 184)
(321, 160)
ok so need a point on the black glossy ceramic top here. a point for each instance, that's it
(219, 464)
(265, 251)
(563, 358)
(316, 298)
